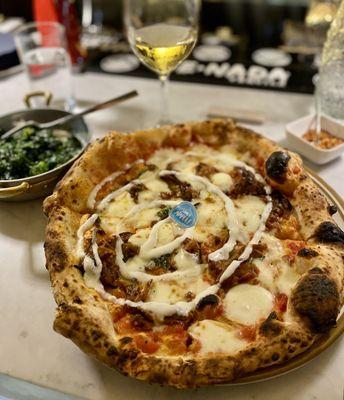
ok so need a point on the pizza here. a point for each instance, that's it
(192, 254)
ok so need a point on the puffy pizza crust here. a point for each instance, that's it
(84, 317)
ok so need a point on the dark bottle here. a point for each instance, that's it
(67, 15)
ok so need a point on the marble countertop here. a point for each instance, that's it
(31, 351)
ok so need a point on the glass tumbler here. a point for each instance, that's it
(42, 49)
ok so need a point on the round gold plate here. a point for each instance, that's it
(325, 340)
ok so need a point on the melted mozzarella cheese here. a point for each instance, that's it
(163, 157)
(166, 233)
(222, 180)
(249, 210)
(140, 236)
(154, 186)
(157, 186)
(123, 204)
(135, 263)
(229, 152)
(266, 274)
(211, 218)
(142, 219)
(248, 304)
(166, 292)
(184, 260)
(270, 262)
(274, 248)
(174, 291)
(287, 279)
(185, 165)
(216, 337)
(115, 211)
(275, 273)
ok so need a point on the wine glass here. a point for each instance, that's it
(162, 33)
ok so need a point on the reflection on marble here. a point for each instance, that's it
(23, 221)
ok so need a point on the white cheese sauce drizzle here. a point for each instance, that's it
(80, 252)
(143, 276)
(92, 197)
(143, 206)
(149, 251)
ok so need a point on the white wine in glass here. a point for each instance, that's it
(162, 33)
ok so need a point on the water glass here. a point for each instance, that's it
(42, 49)
(331, 89)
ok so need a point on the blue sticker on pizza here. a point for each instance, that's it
(184, 214)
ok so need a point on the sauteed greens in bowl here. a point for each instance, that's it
(32, 152)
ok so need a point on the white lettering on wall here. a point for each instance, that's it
(255, 75)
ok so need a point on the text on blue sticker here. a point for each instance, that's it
(184, 214)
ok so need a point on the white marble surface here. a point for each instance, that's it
(29, 348)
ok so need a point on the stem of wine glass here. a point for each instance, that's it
(317, 109)
(164, 106)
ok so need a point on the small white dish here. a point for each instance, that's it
(297, 128)
(270, 57)
(119, 63)
(206, 53)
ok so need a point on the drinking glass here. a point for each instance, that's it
(331, 84)
(162, 33)
(42, 49)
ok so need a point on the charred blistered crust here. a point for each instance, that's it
(271, 326)
(307, 253)
(317, 297)
(276, 166)
(329, 232)
(332, 209)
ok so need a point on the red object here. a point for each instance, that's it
(281, 301)
(63, 11)
(248, 333)
(44, 11)
(176, 329)
(148, 344)
(294, 247)
(67, 16)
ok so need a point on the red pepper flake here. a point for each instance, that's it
(176, 329)
(211, 312)
(147, 343)
(248, 333)
(260, 163)
(281, 301)
(293, 247)
(118, 313)
(296, 246)
(195, 346)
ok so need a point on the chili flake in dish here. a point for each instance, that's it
(325, 140)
